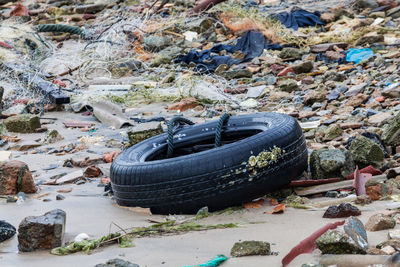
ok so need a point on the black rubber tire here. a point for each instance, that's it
(218, 177)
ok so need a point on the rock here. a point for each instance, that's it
(60, 197)
(366, 4)
(156, 43)
(328, 17)
(185, 104)
(349, 239)
(363, 200)
(331, 163)
(92, 171)
(248, 248)
(332, 132)
(376, 192)
(320, 48)
(117, 263)
(332, 194)
(370, 38)
(290, 53)
(375, 251)
(380, 118)
(6, 231)
(255, 92)
(52, 136)
(42, 232)
(199, 24)
(333, 76)
(394, 12)
(249, 103)
(391, 132)
(143, 131)
(333, 55)
(303, 67)
(237, 74)
(90, 8)
(307, 80)
(15, 177)
(166, 56)
(394, 234)
(24, 123)
(389, 250)
(24, 146)
(288, 85)
(341, 211)
(355, 89)
(366, 152)
(380, 222)
(315, 96)
(395, 243)
(392, 90)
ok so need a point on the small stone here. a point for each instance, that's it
(332, 132)
(249, 103)
(370, 38)
(332, 194)
(376, 192)
(366, 152)
(392, 90)
(349, 239)
(42, 232)
(23, 123)
(303, 67)
(315, 96)
(117, 263)
(288, 85)
(379, 222)
(255, 92)
(156, 43)
(60, 197)
(375, 251)
(330, 163)
(333, 95)
(184, 104)
(6, 231)
(389, 250)
(380, 118)
(391, 132)
(52, 136)
(249, 248)
(342, 211)
(355, 89)
(290, 53)
(92, 171)
(366, 4)
(328, 17)
(143, 131)
(333, 55)
(307, 80)
(363, 200)
(334, 76)
(15, 177)
(394, 234)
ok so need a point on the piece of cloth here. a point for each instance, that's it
(298, 17)
(358, 54)
(251, 44)
(212, 263)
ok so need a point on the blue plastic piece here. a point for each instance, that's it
(358, 54)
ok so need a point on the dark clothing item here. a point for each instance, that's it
(298, 17)
(251, 44)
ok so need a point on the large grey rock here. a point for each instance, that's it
(24, 123)
(117, 263)
(391, 132)
(355, 89)
(331, 163)
(366, 152)
(156, 43)
(255, 92)
(42, 232)
(349, 239)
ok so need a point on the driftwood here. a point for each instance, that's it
(204, 5)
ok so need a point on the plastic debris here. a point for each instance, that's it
(357, 55)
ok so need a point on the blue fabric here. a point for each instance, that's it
(357, 55)
(298, 17)
(252, 44)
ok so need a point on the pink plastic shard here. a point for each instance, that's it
(368, 169)
(308, 244)
(359, 181)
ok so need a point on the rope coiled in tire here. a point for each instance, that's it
(176, 122)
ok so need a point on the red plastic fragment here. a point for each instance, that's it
(308, 244)
(285, 71)
(301, 183)
(368, 169)
(60, 83)
(19, 10)
(5, 45)
(359, 181)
